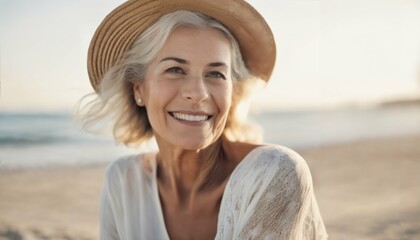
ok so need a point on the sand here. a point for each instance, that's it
(50, 203)
(366, 190)
(369, 189)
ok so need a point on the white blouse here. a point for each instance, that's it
(269, 196)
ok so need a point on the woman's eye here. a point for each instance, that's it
(175, 70)
(216, 75)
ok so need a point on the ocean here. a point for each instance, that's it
(31, 140)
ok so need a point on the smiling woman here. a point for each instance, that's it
(194, 85)
(181, 80)
(119, 80)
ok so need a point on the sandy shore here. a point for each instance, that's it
(369, 189)
(366, 190)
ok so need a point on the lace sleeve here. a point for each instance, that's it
(270, 196)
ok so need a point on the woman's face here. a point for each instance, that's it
(187, 89)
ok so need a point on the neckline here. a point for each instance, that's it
(156, 190)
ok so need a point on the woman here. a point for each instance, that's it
(168, 69)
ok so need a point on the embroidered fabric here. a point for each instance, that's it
(269, 196)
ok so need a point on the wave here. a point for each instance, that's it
(36, 140)
(38, 129)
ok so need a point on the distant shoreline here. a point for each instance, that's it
(257, 108)
(401, 103)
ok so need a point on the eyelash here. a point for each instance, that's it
(178, 70)
(219, 75)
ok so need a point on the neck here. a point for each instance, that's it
(179, 171)
(183, 173)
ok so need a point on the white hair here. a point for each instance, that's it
(115, 98)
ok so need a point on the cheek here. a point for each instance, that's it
(154, 103)
(224, 100)
(156, 92)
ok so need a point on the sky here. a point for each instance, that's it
(329, 52)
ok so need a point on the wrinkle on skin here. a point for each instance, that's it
(194, 57)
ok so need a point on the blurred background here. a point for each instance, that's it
(345, 94)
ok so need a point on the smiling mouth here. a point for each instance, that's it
(190, 117)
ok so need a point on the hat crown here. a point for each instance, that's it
(120, 28)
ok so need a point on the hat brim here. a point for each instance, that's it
(120, 28)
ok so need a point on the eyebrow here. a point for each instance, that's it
(218, 64)
(179, 60)
(183, 61)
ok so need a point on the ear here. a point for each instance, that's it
(137, 90)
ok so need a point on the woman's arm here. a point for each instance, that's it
(271, 197)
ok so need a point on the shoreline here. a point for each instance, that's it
(366, 189)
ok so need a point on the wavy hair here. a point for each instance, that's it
(114, 106)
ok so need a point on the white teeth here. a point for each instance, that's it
(192, 118)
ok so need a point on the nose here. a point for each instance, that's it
(195, 90)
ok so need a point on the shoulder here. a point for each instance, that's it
(271, 189)
(127, 167)
(275, 164)
(122, 164)
(274, 157)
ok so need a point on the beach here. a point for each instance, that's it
(366, 189)
(369, 189)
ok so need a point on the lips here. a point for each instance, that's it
(200, 117)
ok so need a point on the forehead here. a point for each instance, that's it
(203, 43)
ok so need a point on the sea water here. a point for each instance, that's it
(306, 129)
(43, 140)
(51, 139)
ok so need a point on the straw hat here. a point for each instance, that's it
(118, 31)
